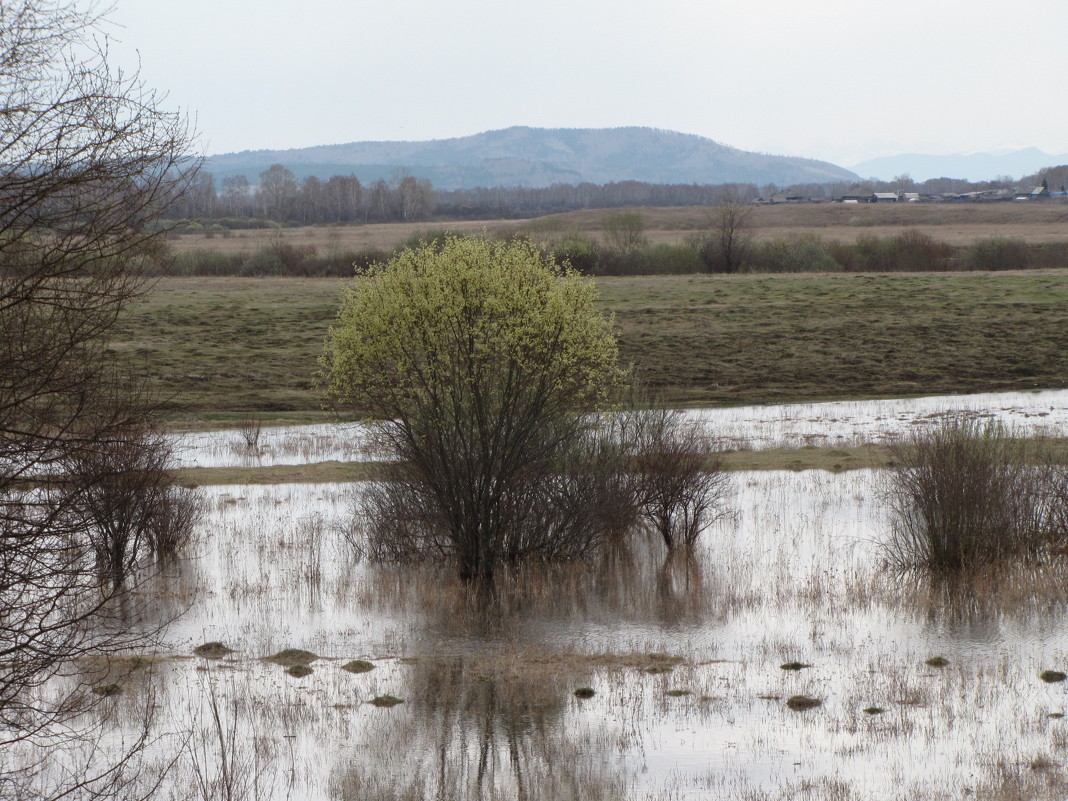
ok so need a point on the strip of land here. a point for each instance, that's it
(837, 459)
(216, 349)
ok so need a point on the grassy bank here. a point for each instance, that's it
(213, 347)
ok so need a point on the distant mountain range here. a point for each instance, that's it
(538, 157)
(974, 167)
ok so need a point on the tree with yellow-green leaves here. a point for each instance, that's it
(482, 363)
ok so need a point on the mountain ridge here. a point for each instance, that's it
(971, 167)
(537, 157)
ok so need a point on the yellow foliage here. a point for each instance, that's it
(471, 326)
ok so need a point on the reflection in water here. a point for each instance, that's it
(482, 728)
(683, 657)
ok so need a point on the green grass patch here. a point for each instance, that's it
(237, 345)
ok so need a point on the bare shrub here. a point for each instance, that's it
(964, 493)
(915, 251)
(251, 430)
(680, 480)
(804, 253)
(727, 246)
(626, 469)
(624, 233)
(909, 251)
(130, 502)
(1047, 254)
(556, 508)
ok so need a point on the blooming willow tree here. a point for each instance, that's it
(481, 362)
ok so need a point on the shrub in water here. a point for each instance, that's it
(964, 493)
(480, 360)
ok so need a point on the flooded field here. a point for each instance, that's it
(790, 425)
(784, 661)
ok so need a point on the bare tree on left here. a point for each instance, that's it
(88, 159)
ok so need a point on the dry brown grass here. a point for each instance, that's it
(338, 238)
(808, 458)
(953, 223)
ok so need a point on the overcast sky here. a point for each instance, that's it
(841, 80)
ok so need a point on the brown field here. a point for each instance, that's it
(954, 223)
(333, 238)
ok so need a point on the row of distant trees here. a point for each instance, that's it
(279, 196)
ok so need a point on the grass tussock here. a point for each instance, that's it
(358, 666)
(965, 493)
(290, 657)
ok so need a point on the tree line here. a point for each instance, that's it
(281, 198)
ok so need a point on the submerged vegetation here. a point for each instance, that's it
(965, 492)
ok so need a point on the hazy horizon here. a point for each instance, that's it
(838, 81)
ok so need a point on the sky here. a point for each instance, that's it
(839, 80)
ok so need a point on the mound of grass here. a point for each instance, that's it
(299, 671)
(212, 650)
(799, 703)
(358, 666)
(936, 661)
(291, 657)
(794, 665)
(386, 701)
(660, 663)
(1051, 676)
(584, 692)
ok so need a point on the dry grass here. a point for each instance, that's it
(322, 472)
(954, 223)
(858, 457)
(211, 345)
(327, 239)
(832, 459)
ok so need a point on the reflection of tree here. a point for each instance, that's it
(680, 590)
(483, 727)
(972, 607)
(501, 720)
(630, 580)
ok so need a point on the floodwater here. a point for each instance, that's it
(684, 659)
(792, 425)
